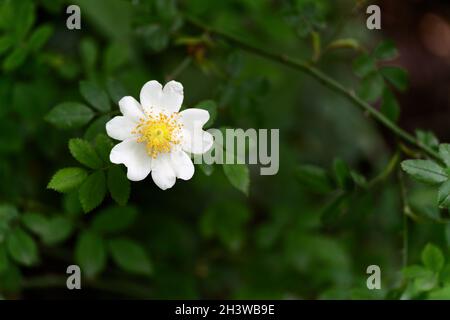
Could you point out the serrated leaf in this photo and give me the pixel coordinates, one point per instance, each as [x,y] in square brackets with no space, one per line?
[398,77]
[90,253]
[238,175]
[364,65]
[386,50]
[84,153]
[92,191]
[425,171]
[103,145]
[390,107]
[95,96]
[444,152]
[433,258]
[69,115]
[444,195]
[114,219]
[211,107]
[118,185]
[371,88]
[21,247]
[67,179]
[130,256]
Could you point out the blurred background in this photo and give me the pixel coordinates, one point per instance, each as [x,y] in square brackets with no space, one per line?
[336,205]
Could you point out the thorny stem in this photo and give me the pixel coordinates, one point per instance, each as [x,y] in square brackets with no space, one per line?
[322,78]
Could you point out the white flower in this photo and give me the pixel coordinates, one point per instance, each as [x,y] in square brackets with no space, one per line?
[156,137]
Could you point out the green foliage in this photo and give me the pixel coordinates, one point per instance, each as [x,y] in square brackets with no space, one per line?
[92,191]
[67,179]
[118,185]
[313,228]
[69,115]
[130,256]
[90,253]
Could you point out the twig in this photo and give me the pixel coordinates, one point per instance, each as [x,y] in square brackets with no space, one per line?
[322,78]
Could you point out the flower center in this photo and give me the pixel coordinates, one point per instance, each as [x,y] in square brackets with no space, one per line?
[159,133]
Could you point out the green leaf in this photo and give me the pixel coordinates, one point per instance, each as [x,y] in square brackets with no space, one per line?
[130,256]
[427,138]
[8,214]
[398,77]
[211,107]
[84,153]
[22,247]
[90,253]
[386,50]
[116,56]
[89,54]
[98,126]
[314,178]
[24,16]
[364,65]
[93,191]
[39,37]
[4,263]
[95,96]
[103,145]
[114,219]
[69,115]
[371,88]
[15,59]
[238,175]
[425,171]
[444,195]
[35,222]
[440,294]
[342,174]
[118,185]
[58,230]
[390,107]
[225,221]
[6,42]
[116,90]
[426,282]
[433,258]
[414,271]
[444,152]
[67,179]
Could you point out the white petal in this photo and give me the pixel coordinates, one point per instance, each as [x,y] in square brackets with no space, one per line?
[196,141]
[120,128]
[193,117]
[172,96]
[151,95]
[134,156]
[182,165]
[162,172]
[131,108]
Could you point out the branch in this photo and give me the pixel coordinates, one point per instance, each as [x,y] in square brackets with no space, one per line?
[323,78]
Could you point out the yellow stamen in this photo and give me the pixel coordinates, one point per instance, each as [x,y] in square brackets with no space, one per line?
[159,133]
